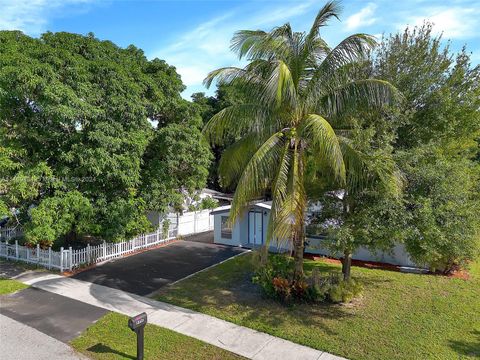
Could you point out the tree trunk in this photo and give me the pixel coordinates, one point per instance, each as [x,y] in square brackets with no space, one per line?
[346,265]
[298,247]
[299,226]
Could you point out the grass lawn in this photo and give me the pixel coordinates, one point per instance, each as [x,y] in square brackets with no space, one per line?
[400,316]
[8,286]
[110,338]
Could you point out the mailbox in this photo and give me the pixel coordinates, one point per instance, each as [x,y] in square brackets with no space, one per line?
[137,324]
[137,321]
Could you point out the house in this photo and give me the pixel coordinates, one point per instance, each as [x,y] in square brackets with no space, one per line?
[251,231]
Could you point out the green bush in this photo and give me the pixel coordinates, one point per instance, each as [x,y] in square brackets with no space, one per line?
[269,268]
[332,288]
[274,274]
[344,291]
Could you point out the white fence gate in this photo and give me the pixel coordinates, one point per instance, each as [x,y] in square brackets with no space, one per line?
[69,259]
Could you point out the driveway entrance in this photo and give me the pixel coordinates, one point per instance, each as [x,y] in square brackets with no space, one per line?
[145,273]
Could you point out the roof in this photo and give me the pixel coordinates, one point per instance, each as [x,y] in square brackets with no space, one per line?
[217,194]
[222,209]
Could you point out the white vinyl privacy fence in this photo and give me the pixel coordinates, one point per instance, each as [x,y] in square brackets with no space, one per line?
[191,222]
[69,259]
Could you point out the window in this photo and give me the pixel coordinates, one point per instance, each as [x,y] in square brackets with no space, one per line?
[226,230]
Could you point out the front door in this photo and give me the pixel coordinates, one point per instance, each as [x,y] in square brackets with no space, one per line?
[255,228]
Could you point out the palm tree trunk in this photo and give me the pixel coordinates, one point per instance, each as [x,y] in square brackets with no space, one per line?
[346,264]
[298,247]
[347,254]
[299,232]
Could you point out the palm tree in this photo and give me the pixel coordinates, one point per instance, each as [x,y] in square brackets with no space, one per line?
[298,90]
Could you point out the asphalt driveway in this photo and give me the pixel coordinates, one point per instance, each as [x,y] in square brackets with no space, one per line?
[57,316]
[147,272]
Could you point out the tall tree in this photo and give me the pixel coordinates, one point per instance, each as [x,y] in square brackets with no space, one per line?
[435,144]
[294,82]
[83,109]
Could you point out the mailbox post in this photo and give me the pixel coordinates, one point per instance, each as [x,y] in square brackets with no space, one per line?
[137,324]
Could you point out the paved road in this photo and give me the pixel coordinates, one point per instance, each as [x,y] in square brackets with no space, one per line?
[22,342]
[57,316]
[145,273]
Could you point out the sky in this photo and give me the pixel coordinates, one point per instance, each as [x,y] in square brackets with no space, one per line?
[194,35]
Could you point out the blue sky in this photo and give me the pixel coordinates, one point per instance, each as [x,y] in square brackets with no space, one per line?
[194,35]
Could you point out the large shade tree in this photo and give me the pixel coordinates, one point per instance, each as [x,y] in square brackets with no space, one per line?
[300,94]
[76,135]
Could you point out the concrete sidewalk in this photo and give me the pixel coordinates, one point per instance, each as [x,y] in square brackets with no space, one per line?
[237,339]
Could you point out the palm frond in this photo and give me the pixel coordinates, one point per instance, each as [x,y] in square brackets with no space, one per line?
[259,44]
[237,120]
[257,175]
[323,142]
[329,10]
[223,75]
[366,94]
[279,191]
[280,86]
[235,158]
[329,66]
[289,219]
[351,49]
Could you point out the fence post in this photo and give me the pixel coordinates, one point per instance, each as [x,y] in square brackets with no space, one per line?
[6,247]
[104,250]
[38,253]
[61,259]
[16,249]
[89,255]
[27,249]
[158,235]
[195,222]
[49,257]
[70,258]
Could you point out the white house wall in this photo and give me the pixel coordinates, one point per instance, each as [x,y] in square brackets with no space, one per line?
[238,229]
[399,255]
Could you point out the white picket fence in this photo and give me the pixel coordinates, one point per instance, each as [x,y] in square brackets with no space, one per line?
[69,259]
[8,233]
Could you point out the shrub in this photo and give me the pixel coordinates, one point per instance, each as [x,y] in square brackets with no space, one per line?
[344,291]
[165,228]
[274,275]
[208,203]
[273,267]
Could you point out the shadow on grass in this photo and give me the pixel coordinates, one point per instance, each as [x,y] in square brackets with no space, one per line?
[242,302]
[104,349]
[467,348]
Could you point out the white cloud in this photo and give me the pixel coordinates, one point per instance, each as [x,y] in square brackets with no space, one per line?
[454,22]
[207,46]
[31,16]
[362,18]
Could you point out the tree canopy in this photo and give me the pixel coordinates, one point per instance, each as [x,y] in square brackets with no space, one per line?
[76,117]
